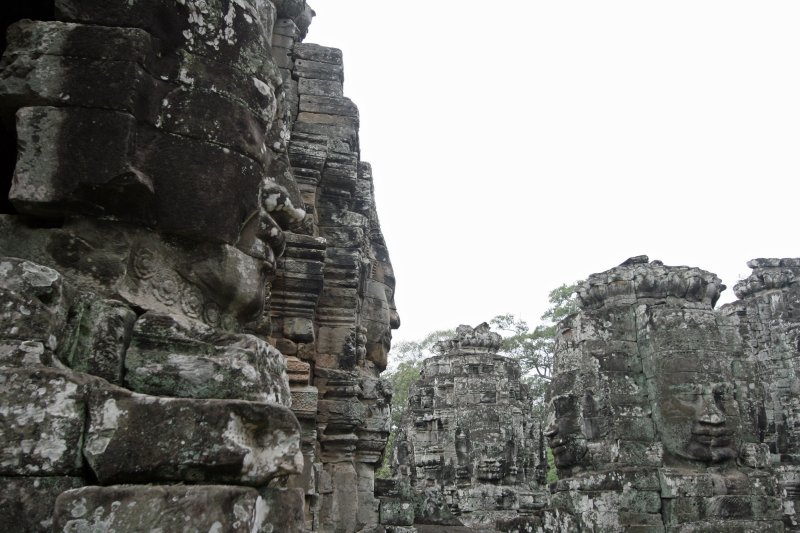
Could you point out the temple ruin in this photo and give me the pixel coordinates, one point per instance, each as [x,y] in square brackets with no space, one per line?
[468,445]
[197,303]
[668,415]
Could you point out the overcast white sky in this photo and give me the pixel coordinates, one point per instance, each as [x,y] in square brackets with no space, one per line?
[517,145]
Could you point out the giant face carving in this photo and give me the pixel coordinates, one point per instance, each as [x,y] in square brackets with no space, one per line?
[564,430]
[696,414]
[192,147]
[380,315]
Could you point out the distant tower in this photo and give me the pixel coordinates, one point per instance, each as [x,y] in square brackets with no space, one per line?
[468,441]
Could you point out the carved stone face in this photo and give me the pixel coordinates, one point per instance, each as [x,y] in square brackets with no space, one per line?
[695,412]
[380,315]
[564,430]
[162,148]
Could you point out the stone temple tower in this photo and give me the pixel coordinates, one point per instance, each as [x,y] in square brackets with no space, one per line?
[468,443]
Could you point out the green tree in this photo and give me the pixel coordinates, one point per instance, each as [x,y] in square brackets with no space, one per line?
[534,348]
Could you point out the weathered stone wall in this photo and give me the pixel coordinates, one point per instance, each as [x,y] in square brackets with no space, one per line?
[468,446]
[767,319]
[195,296]
[658,408]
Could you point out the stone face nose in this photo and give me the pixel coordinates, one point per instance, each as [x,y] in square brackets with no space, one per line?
[711,414]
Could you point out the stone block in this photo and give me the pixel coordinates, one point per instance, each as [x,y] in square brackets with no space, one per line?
[284,509]
[343,413]
[178,356]
[341,506]
[723,508]
[285,26]
[315,52]
[209,214]
[176,439]
[330,105]
[42,419]
[26,503]
[319,87]
[396,513]
[16,353]
[33,307]
[212,508]
[98,335]
[95,176]
[299,371]
[305,401]
[53,38]
[287,348]
[55,80]
[304,68]
[298,329]
[221,119]
[640,479]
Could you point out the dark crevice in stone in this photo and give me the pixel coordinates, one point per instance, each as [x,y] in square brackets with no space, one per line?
[8,160]
[11,11]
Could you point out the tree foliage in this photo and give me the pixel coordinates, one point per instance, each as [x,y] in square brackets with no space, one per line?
[534,348]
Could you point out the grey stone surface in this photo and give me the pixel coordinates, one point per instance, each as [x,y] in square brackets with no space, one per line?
[199,508]
[191,440]
[27,503]
[182,357]
[42,419]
